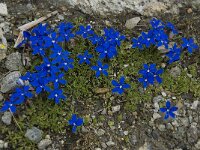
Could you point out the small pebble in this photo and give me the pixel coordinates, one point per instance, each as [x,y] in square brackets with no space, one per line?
[164,94]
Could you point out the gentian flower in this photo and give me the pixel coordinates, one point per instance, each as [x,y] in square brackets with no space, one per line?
[170,26]
[8,105]
[57,95]
[65,30]
[66,64]
[85,32]
[120,86]
[147,39]
[95,39]
[174,54]
[168,110]
[57,80]
[100,69]
[75,122]
[189,44]
[138,43]
[26,38]
[20,94]
[157,24]
[85,58]
[149,74]
[106,50]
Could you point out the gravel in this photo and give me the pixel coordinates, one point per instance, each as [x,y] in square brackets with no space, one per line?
[7,118]
[34,134]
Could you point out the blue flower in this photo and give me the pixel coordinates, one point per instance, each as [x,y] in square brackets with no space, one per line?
[174,54]
[189,44]
[59,54]
[157,24]
[113,36]
[8,106]
[65,30]
[170,26]
[100,69]
[41,30]
[120,86]
[75,122]
[57,80]
[161,38]
[85,58]
[85,32]
[149,74]
[56,95]
[138,43]
[147,39]
[26,38]
[95,39]
[66,64]
[106,50]
[168,110]
[20,95]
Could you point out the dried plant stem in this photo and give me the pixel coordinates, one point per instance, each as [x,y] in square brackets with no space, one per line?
[15,120]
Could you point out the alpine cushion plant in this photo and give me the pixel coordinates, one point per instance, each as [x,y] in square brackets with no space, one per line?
[49,76]
[75,122]
[169,110]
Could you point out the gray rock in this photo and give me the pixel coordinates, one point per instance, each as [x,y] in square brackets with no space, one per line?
[197,145]
[185,122]
[131,23]
[44,143]
[116,108]
[192,134]
[195,104]
[5,26]
[110,143]
[146,146]
[7,118]
[157,99]
[1,97]
[133,139]
[3,9]
[61,17]
[34,134]
[14,62]
[100,132]
[3,48]
[5,145]
[161,127]
[156,116]
[1,144]
[107,7]
[9,82]
[175,72]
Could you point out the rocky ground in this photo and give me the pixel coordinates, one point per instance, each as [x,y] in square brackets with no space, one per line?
[130,122]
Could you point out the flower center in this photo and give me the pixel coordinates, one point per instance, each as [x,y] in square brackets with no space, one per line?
[56,95]
[100,69]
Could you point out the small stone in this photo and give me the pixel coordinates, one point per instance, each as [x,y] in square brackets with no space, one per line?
[34,134]
[146,146]
[131,23]
[192,134]
[116,108]
[1,144]
[189,75]
[198,144]
[7,118]
[1,97]
[195,104]
[103,145]
[125,132]
[175,72]
[157,99]
[157,107]
[9,82]
[169,126]
[189,10]
[5,145]
[164,94]
[156,116]
[108,23]
[3,9]
[185,122]
[97,148]
[61,17]
[161,127]
[44,143]
[47,137]
[84,130]
[110,143]
[14,62]
[100,132]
